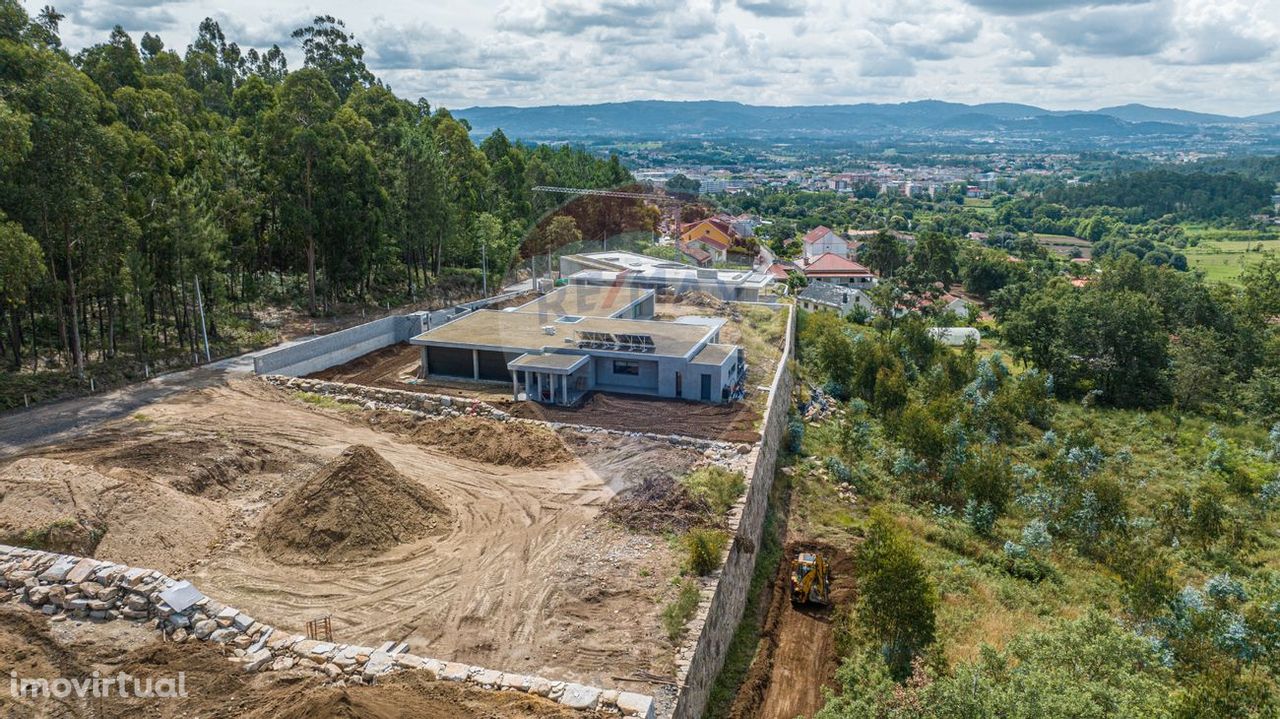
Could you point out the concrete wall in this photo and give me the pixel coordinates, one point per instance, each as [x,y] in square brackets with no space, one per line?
[342,346]
[724,596]
[339,347]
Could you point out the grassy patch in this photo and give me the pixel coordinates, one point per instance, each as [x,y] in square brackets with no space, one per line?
[703,548]
[321,400]
[719,487]
[1225,260]
[681,609]
[62,535]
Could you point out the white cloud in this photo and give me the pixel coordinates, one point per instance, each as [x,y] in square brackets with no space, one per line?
[1222,33]
[1213,55]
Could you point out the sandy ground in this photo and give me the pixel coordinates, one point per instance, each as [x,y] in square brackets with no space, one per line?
[528,578]
[35,648]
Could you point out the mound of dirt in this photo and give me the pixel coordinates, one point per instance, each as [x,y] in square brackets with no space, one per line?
[660,504]
[125,517]
[356,506]
[514,444]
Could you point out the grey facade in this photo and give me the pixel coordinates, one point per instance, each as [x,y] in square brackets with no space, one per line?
[607,343]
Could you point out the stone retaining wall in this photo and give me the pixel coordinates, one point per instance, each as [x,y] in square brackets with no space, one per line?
[724,594]
[62,585]
[438,405]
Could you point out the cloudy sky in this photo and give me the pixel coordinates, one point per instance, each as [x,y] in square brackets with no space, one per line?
[1207,55]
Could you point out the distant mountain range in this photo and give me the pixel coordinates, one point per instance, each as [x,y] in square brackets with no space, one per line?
[709,118]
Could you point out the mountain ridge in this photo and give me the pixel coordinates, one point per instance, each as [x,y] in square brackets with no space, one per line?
[657,118]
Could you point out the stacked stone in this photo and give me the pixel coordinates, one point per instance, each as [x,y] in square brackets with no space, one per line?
[65,586]
[426,405]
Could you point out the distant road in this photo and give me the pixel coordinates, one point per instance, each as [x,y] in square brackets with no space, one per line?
[47,423]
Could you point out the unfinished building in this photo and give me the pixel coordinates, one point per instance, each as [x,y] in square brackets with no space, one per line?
[581,338]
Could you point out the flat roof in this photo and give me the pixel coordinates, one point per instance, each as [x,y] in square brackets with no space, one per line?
[714,354]
[550,362]
[629,266]
[585,301]
[701,321]
[522,332]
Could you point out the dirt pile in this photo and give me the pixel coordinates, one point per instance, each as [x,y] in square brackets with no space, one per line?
[356,506]
[124,517]
[514,444]
[659,504]
[203,464]
[714,304]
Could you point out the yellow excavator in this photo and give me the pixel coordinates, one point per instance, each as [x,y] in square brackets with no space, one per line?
[810,580]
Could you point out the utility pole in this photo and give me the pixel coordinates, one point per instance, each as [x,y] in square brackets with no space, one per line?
[484,267]
[203,331]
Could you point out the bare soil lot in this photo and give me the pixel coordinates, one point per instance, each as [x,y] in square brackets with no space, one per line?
[521,573]
[216,689]
[731,422]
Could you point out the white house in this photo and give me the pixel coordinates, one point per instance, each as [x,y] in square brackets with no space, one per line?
[822,240]
[951,303]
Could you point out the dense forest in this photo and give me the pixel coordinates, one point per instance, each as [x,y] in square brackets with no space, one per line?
[1155,193]
[137,181]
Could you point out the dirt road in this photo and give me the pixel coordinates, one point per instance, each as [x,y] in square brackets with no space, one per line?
[804,661]
[70,417]
[797,655]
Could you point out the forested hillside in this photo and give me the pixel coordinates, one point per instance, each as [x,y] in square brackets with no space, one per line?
[1152,194]
[131,170]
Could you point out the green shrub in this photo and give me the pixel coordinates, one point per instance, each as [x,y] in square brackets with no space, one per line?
[703,548]
[678,613]
[719,487]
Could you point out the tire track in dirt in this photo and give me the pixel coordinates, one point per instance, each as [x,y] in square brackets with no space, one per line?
[797,655]
[505,586]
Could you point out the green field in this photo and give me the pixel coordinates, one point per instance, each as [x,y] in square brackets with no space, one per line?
[981,204]
[1064,244]
[1223,260]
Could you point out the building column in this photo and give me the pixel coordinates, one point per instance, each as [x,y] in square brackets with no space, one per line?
[564,386]
[515,387]
[422,370]
[475,364]
[538,380]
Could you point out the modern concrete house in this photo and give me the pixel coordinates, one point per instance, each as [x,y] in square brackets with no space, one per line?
[581,338]
[606,269]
